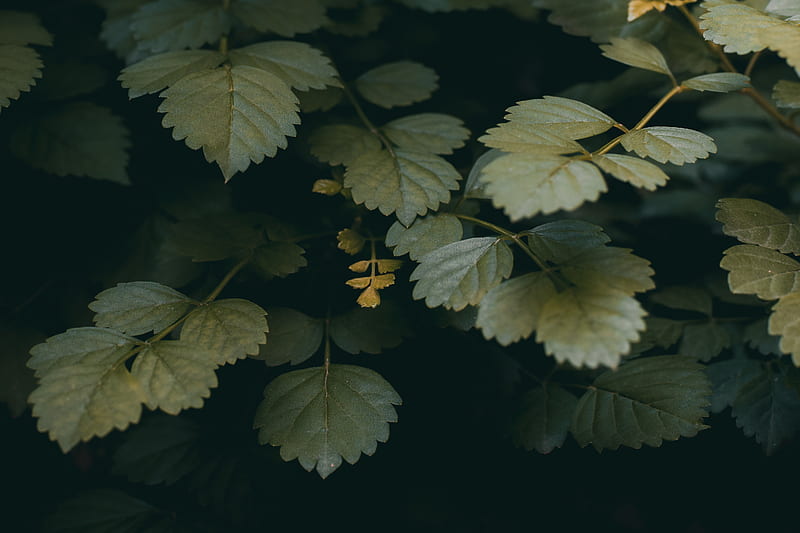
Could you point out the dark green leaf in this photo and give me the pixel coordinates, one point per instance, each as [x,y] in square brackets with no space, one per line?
[284,17]
[342,144]
[558,241]
[787,94]
[139,307]
[279,258]
[20,66]
[107,511]
[609,266]
[397,84]
[757,337]
[754,222]
[661,332]
[215,237]
[369,330]
[424,235]
[704,341]
[727,379]
[686,298]
[293,337]
[170,25]
[230,329]
[544,420]
[21,28]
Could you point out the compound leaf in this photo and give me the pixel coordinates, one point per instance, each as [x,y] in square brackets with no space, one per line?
[369,330]
[279,258]
[342,144]
[558,241]
[718,82]
[299,65]
[293,337]
[19,68]
[609,266]
[21,28]
[139,307]
[637,172]
[787,94]
[668,144]
[170,25]
[560,117]
[636,53]
[427,132]
[159,71]
[230,329]
[424,235]
[754,222]
[544,420]
[766,273]
[785,321]
[397,84]
[284,17]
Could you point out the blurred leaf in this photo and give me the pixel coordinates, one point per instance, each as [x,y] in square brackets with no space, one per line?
[20,66]
[397,84]
[668,144]
[544,420]
[170,25]
[16,379]
[728,377]
[765,273]
[704,341]
[611,267]
[230,329]
[17,27]
[279,258]
[685,298]
[215,237]
[718,82]
[424,235]
[107,511]
[369,330]
[757,336]
[139,307]
[754,222]
[284,17]
[659,332]
[787,94]
[299,65]
[293,337]
[427,132]
[636,53]
[785,321]
[350,241]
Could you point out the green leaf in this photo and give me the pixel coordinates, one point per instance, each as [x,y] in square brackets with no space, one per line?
[139,307]
[21,28]
[558,241]
[230,329]
[170,25]
[293,337]
[785,321]
[668,144]
[405,183]
[20,66]
[560,117]
[516,137]
[323,414]
[525,185]
[474,188]
[70,78]
[424,235]
[427,132]
[609,266]
[369,330]
[510,311]
[397,84]
[757,336]
[718,82]
[84,389]
[597,19]
[299,65]
[279,258]
[704,341]
[160,71]
[79,139]
[787,94]
[215,237]
[636,53]
[461,273]
[637,172]
[342,144]
[727,379]
[765,273]
[755,222]
[685,298]
[590,326]
[320,100]
[661,332]
[544,420]
[646,401]
[236,114]
[107,511]
[284,17]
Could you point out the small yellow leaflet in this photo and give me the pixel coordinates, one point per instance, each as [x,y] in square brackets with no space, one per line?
[637,8]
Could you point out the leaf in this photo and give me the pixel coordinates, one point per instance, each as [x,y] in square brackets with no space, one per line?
[427,132]
[474,188]
[350,241]
[215,237]
[561,117]
[783,8]
[293,337]
[668,144]
[230,329]
[369,330]
[107,511]
[320,100]
[637,8]
[170,25]
[327,187]
[544,420]
[424,235]
[685,298]
[728,377]
[20,66]
[279,258]
[785,321]
[157,72]
[80,139]
[787,94]
[597,19]
[525,185]
[284,17]
[633,170]
[646,401]
[70,78]
[321,415]
[636,53]
[236,114]
[704,341]
[757,336]
[590,326]
[755,270]
[84,389]
[397,84]
[755,222]
[661,332]
[718,82]
[406,183]
[559,240]
[342,144]
[510,311]
[299,65]
[609,266]
[461,273]
[20,28]
[139,307]
[519,138]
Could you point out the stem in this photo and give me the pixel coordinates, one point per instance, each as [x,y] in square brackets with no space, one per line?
[752,63]
[223,45]
[510,235]
[227,279]
[365,119]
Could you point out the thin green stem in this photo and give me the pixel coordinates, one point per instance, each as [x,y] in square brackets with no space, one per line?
[656,108]
[365,119]
[748,71]
[227,279]
[510,235]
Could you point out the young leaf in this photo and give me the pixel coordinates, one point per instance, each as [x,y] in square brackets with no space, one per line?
[279,258]
[284,17]
[728,378]
[646,401]
[236,114]
[427,132]
[397,84]
[544,420]
[668,144]
[718,82]
[558,241]
[160,71]
[754,222]
[765,273]
[293,337]
[170,25]
[686,298]
[516,137]
[609,266]
[562,117]
[299,65]
[230,329]
[424,235]
[20,66]
[785,321]
[107,511]
[461,273]
[350,241]
[341,144]
[21,28]
[369,330]
[704,341]
[323,414]
[637,172]
[139,307]
[510,311]
[787,94]
[636,53]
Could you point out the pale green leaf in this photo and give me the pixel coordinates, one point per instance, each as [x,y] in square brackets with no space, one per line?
[214,237]
[668,144]
[170,25]
[646,401]
[424,235]
[637,172]
[561,117]
[474,188]
[685,298]
[279,258]
[785,321]
[704,341]
[590,326]
[544,420]
[405,183]
[397,84]
[636,53]
[230,329]
[79,344]
[370,330]
[293,337]
[718,82]
[17,27]
[516,137]
[139,307]
[236,114]
[342,144]
[755,222]
[787,94]
[525,185]
[427,132]
[728,377]
[322,415]
[160,71]
[19,68]
[783,8]
[461,273]
[299,65]
[558,241]
[510,311]
[597,19]
[609,266]
[107,511]
[284,17]
[765,273]
[661,332]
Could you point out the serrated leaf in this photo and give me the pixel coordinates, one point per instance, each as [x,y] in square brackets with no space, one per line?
[661,332]
[718,82]
[590,326]
[633,170]
[299,65]
[170,25]
[783,8]
[520,138]
[369,330]
[609,266]
[79,139]
[525,185]
[461,273]
[397,84]
[685,298]
[704,341]
[474,188]
[342,144]
[139,307]
[427,132]
[107,511]
[350,241]
[236,114]
[646,401]
[787,94]
[293,337]
[561,117]
[322,415]
[279,258]
[785,321]
[757,336]
[765,273]
[214,237]
[544,420]
[230,329]
[20,66]
[755,222]
[160,71]
[17,27]
[559,240]
[424,235]
[320,100]
[405,183]
[636,53]
[668,144]
[510,311]
[727,379]
[284,17]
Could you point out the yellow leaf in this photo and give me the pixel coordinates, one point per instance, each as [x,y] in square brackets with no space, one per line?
[359,283]
[369,298]
[327,187]
[383,281]
[351,242]
[637,8]
[388,265]
[360,266]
